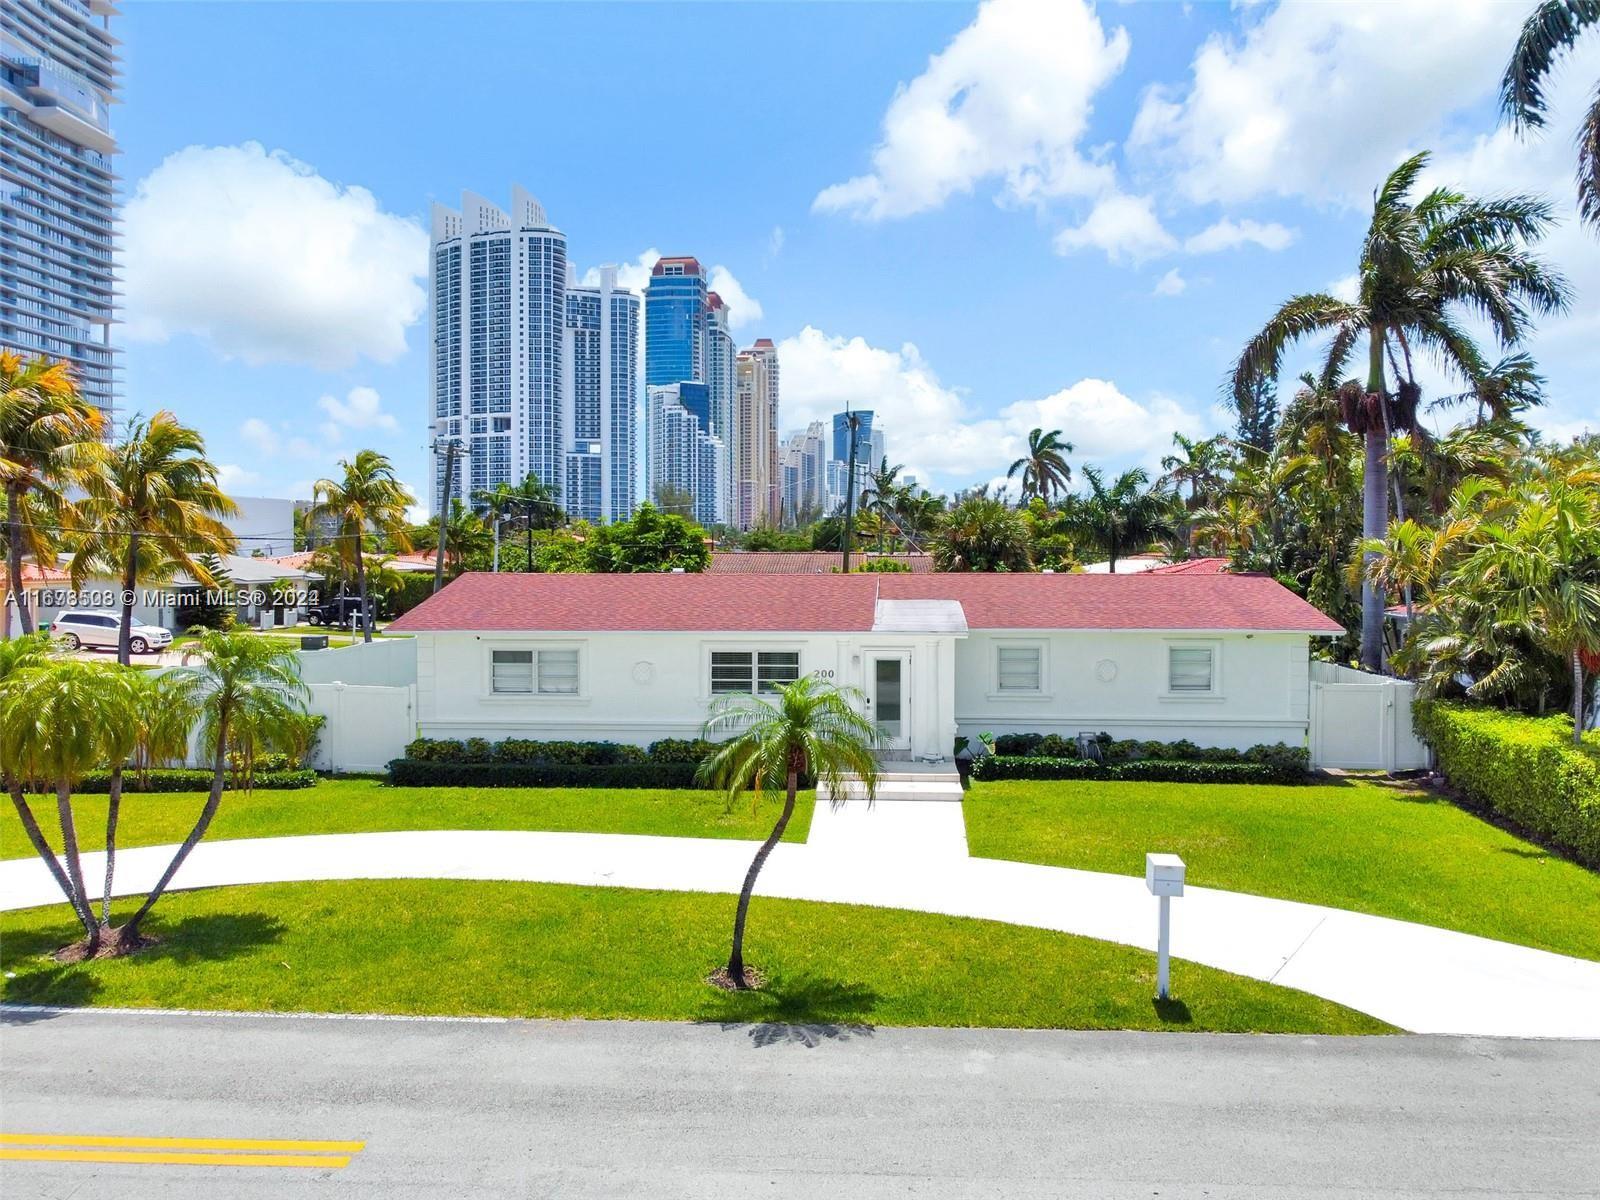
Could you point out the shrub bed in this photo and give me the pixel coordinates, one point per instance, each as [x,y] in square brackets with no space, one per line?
[1522,768]
[1150,770]
[413,772]
[192,779]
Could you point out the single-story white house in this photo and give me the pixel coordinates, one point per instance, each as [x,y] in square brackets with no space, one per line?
[1222,660]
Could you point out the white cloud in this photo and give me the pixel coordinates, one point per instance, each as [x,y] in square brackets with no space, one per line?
[260,435]
[266,260]
[1009,98]
[270,441]
[231,477]
[775,241]
[1229,235]
[362,408]
[1346,288]
[932,429]
[743,308]
[1170,284]
[1319,100]
[1125,227]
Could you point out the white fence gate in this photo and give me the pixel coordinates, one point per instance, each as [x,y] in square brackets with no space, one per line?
[1363,722]
[366,726]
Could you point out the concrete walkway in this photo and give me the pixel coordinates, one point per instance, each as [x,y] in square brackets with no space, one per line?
[912,855]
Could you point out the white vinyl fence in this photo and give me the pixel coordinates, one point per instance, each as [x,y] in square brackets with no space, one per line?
[369,696]
[1363,722]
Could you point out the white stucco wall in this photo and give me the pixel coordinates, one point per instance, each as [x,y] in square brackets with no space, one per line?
[638,687]
[1117,682]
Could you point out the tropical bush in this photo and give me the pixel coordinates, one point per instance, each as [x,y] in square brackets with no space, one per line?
[1000,766]
[524,750]
[1135,759]
[195,779]
[416,772]
[1524,769]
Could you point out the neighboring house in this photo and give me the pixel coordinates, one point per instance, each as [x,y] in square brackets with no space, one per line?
[38,585]
[805,562]
[1219,659]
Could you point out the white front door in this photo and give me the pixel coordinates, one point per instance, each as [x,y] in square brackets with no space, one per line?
[889,698]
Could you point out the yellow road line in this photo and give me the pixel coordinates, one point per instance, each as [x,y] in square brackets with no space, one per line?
[176,1159]
[173,1143]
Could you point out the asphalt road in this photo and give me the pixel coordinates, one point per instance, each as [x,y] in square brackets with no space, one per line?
[580,1109]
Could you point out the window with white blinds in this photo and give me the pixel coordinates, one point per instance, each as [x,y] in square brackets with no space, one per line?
[534,672]
[1019,668]
[751,671]
[511,671]
[1190,669]
[558,672]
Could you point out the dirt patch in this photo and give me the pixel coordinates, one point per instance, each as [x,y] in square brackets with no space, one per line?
[755,979]
[113,943]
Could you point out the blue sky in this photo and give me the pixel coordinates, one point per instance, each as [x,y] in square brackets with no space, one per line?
[973,218]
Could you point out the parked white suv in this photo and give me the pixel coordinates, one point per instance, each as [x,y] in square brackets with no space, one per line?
[99,630]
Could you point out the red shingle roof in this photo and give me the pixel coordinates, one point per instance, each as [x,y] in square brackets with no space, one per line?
[713,603]
[800,562]
[1192,566]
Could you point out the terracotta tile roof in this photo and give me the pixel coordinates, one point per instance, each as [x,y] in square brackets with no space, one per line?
[799,562]
[1192,566]
[721,603]
[1149,600]
[34,573]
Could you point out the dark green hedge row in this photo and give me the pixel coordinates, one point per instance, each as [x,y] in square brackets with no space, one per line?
[192,779]
[1523,768]
[411,772]
[1289,759]
[1002,766]
[574,754]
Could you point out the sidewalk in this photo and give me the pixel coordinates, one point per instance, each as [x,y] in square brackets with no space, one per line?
[912,855]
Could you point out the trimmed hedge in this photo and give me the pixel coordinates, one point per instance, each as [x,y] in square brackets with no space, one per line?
[1002,766]
[413,772]
[525,750]
[192,779]
[1522,768]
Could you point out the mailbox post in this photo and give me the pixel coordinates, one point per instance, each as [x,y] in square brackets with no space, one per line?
[1163,875]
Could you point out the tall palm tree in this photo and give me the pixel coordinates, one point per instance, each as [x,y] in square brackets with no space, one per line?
[1551,30]
[1126,513]
[369,499]
[982,534]
[810,729]
[16,656]
[154,507]
[1044,467]
[249,697]
[881,498]
[1197,464]
[1422,265]
[49,439]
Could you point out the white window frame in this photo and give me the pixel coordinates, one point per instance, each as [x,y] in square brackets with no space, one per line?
[1192,695]
[534,649]
[1042,692]
[754,650]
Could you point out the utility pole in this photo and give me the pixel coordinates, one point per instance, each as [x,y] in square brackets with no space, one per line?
[854,422]
[452,447]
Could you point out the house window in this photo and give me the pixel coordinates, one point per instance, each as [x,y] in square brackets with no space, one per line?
[511,671]
[558,672]
[752,671]
[1018,669]
[1190,670]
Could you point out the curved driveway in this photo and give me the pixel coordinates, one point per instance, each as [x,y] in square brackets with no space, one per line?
[914,856]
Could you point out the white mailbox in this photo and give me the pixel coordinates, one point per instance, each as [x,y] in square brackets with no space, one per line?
[1163,874]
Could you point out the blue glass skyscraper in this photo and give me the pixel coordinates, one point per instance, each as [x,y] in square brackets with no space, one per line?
[675,323]
[841,437]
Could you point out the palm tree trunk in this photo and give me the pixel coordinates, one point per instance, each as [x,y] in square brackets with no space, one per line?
[1577,698]
[736,956]
[130,575]
[69,844]
[113,808]
[495,517]
[361,589]
[1374,515]
[17,595]
[30,826]
[219,767]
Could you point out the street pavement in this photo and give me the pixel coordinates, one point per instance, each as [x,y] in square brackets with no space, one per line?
[414,1108]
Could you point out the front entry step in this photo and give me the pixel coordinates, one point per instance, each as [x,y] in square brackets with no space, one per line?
[902,785]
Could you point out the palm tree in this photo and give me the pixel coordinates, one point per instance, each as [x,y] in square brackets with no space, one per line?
[368,498]
[494,505]
[1198,464]
[249,697]
[1549,32]
[881,498]
[1044,467]
[1422,264]
[810,729]
[1126,514]
[982,534]
[18,655]
[55,722]
[154,507]
[49,437]
[1511,386]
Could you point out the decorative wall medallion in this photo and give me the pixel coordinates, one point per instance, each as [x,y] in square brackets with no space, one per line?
[1105,670]
[644,672]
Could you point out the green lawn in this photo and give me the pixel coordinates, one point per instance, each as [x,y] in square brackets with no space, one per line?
[545,950]
[1371,846]
[364,805]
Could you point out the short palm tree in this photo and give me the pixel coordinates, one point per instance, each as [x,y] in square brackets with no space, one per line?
[982,534]
[1124,514]
[49,440]
[1423,264]
[247,692]
[16,656]
[881,498]
[368,500]
[1044,467]
[1551,30]
[807,729]
[154,507]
